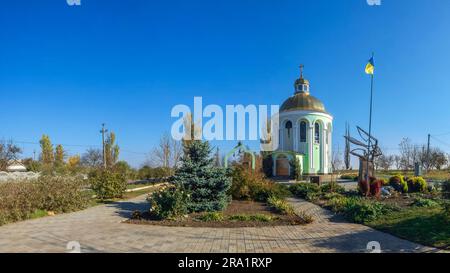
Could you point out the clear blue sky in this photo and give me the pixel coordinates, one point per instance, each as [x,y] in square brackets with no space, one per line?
[64,70]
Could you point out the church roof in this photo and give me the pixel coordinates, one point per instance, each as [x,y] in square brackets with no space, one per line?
[302,100]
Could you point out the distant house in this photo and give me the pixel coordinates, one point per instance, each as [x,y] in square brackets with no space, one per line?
[16,166]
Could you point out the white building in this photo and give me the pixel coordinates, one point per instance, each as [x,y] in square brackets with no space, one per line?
[305,134]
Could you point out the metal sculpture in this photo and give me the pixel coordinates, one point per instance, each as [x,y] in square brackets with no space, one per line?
[365,150]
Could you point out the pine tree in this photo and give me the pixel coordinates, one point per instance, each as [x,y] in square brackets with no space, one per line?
[207,184]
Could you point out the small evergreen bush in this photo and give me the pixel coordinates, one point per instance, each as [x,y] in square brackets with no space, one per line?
[208,184]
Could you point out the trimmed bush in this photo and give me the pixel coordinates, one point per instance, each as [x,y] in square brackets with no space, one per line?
[20,200]
[398,183]
[417,184]
[108,184]
[169,202]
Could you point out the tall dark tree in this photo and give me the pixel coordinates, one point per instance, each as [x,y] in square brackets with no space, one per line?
[347,147]
[207,183]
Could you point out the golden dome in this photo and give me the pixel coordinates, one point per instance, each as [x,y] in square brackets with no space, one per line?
[302,101]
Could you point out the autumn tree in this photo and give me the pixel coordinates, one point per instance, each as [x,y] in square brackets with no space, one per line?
[59,155]
[73,163]
[47,156]
[111,150]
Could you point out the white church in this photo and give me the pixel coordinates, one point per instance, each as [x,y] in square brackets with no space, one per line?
[305,134]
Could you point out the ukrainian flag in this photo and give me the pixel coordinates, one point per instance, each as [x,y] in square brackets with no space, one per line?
[370,67]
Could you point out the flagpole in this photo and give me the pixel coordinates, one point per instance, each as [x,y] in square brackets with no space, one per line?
[370,128]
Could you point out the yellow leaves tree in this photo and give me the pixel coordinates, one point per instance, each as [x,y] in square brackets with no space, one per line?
[73,163]
[111,150]
[47,156]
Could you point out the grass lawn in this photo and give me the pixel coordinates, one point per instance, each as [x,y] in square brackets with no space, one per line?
[426,226]
[126,195]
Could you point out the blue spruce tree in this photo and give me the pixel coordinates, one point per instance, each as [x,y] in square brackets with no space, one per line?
[207,183]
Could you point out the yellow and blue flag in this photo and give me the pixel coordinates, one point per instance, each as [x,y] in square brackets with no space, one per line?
[370,67]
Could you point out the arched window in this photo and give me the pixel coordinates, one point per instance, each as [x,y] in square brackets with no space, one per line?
[303,131]
[317,133]
[288,128]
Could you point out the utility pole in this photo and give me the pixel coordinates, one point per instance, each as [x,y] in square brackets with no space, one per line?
[34,155]
[103,131]
[428,153]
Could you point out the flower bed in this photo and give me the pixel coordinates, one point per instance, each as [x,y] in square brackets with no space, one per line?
[239,213]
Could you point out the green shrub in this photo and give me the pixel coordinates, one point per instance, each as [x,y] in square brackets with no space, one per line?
[108,184]
[424,202]
[209,185]
[20,200]
[332,187]
[446,207]
[398,183]
[337,203]
[445,188]
[212,217]
[362,211]
[280,205]
[352,177]
[252,185]
[417,184]
[169,202]
[305,190]
[251,218]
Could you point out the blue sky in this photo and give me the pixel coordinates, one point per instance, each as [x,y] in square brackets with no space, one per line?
[64,70]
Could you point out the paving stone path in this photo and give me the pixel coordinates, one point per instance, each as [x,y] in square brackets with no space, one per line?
[100,229]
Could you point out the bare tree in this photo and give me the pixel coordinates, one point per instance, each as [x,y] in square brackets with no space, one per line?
[92,158]
[8,151]
[384,162]
[409,154]
[167,154]
[438,158]
[336,162]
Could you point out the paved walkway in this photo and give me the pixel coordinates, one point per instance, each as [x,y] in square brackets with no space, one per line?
[100,229]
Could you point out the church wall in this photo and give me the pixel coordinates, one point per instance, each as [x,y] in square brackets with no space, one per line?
[316,157]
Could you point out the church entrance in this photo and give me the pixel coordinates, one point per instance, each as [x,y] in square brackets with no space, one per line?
[282,164]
